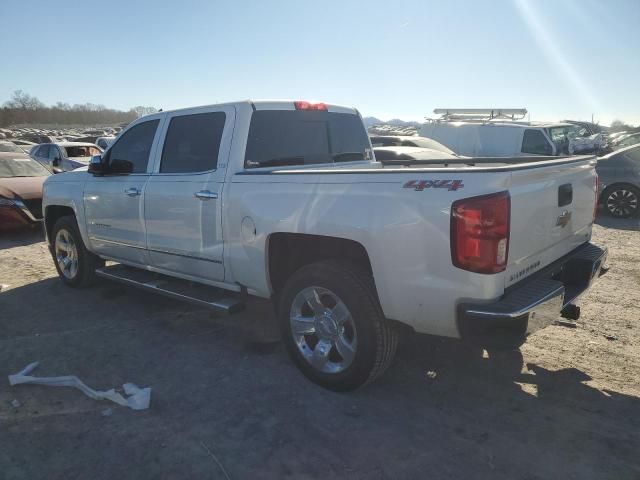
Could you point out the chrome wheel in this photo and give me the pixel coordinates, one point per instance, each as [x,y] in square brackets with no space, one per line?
[323,330]
[622,203]
[66,254]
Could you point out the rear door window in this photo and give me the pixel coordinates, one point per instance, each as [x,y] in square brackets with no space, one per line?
[192,143]
[536,143]
[294,137]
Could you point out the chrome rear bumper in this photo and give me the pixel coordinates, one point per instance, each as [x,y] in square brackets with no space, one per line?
[533,303]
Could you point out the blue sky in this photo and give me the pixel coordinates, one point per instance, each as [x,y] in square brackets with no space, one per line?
[558,58]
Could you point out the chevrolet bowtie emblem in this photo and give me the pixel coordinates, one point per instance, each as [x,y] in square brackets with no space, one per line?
[563,219]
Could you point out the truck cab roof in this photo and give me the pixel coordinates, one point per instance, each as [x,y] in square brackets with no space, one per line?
[271,105]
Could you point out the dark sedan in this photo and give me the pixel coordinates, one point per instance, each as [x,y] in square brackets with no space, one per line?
[21,180]
[619,174]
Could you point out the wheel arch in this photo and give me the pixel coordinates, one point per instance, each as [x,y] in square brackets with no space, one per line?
[288,252]
[51,215]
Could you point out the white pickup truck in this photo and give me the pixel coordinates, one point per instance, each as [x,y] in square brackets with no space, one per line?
[285,201]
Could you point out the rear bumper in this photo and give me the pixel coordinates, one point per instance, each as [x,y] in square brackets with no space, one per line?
[533,303]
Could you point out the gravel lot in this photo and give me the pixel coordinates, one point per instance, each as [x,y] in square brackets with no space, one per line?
[567,406]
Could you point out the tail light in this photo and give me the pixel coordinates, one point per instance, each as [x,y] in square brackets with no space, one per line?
[480,233]
[302,105]
[596,187]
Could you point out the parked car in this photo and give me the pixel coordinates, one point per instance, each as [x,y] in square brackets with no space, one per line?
[613,137]
[36,138]
[627,140]
[477,132]
[383,154]
[87,138]
[24,144]
[104,142]
[619,174]
[65,156]
[21,180]
[9,146]
[408,141]
[284,201]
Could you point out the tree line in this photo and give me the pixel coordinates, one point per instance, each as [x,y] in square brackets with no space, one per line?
[23,108]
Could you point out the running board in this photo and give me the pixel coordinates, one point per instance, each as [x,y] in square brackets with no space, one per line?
[213,298]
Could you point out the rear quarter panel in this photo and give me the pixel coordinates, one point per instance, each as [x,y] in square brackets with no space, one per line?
[404,231]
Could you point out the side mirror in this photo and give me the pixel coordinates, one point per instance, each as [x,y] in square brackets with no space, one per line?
[97,166]
[56,162]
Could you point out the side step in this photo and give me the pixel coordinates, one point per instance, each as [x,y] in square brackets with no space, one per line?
[217,299]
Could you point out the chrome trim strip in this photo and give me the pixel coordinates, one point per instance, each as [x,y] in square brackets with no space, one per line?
[167,252]
[553,294]
[154,250]
[20,204]
[114,242]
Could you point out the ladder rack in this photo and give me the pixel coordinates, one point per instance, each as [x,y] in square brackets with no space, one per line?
[480,114]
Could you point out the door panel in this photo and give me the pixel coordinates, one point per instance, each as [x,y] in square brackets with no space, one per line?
[114,204]
[182,206]
[184,233]
[114,215]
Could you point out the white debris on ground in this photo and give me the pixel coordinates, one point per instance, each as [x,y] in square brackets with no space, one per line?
[138,398]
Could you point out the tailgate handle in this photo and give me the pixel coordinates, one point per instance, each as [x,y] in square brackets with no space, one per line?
[565,194]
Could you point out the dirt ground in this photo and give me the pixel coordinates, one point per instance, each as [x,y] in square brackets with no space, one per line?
[567,407]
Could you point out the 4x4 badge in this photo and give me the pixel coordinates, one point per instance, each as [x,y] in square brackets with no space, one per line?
[420,185]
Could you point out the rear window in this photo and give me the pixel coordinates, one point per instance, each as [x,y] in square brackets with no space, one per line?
[536,143]
[81,151]
[21,167]
[288,137]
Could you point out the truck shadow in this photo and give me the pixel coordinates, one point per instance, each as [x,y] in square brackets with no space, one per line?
[21,238]
[608,221]
[498,414]
[523,407]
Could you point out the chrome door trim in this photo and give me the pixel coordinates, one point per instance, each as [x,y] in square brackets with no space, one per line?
[154,250]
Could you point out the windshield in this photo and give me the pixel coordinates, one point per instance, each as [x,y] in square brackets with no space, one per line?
[10,147]
[80,151]
[294,137]
[560,134]
[21,167]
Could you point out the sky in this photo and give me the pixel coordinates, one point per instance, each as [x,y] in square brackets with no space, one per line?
[390,59]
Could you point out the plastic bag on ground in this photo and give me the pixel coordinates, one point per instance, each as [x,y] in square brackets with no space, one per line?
[137,398]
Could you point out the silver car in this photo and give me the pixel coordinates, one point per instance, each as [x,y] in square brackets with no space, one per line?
[619,174]
[65,156]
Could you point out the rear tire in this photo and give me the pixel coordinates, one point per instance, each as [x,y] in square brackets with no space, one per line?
[75,264]
[333,326]
[621,201]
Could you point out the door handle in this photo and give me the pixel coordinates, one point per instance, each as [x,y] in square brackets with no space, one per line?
[206,195]
[132,192]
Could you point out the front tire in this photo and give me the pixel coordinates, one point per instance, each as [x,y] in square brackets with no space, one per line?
[75,264]
[333,326]
[622,201]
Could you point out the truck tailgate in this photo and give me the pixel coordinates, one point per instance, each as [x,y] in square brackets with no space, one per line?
[551,214]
